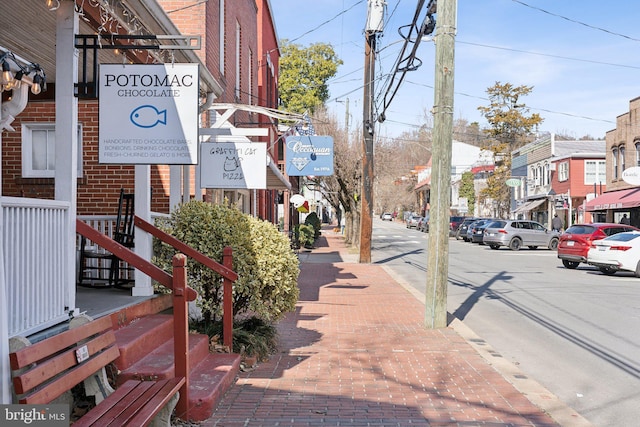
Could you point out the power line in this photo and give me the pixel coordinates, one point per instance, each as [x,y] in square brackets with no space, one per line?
[576,22]
[327,21]
[550,55]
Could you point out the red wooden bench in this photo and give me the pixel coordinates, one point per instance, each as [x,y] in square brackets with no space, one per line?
[45,370]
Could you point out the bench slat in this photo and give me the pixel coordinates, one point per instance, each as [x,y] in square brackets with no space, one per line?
[108,405]
[48,369]
[134,404]
[72,377]
[43,349]
[157,402]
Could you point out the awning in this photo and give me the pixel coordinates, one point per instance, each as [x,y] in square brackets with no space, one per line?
[528,206]
[629,198]
[275,179]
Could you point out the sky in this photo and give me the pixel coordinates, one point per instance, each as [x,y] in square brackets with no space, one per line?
[582,58]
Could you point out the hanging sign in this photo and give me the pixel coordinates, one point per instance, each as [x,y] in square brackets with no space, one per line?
[149,114]
[631,175]
[233,165]
[309,155]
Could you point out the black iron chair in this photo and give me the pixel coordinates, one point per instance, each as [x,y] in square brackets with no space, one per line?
[99,268]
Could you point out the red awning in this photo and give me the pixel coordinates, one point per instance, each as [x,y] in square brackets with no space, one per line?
[629,198]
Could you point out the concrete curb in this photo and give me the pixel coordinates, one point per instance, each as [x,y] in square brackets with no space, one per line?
[531,389]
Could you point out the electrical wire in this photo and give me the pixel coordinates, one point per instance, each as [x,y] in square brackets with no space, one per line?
[575,21]
[326,22]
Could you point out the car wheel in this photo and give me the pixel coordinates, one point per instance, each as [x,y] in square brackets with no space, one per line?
[553,244]
[607,270]
[570,264]
[637,272]
[494,246]
[515,244]
[533,248]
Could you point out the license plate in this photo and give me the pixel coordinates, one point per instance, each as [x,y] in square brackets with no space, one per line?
[571,243]
[602,248]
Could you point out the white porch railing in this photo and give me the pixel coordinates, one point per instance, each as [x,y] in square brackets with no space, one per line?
[35,252]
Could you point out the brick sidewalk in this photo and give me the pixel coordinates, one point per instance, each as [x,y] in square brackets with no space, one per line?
[355,353]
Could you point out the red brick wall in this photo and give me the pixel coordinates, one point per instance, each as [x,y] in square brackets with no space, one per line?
[99,185]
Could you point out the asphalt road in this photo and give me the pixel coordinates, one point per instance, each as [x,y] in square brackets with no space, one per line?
[576,332]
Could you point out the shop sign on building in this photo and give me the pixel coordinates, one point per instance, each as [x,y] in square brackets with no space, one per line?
[233,165]
[309,155]
[149,114]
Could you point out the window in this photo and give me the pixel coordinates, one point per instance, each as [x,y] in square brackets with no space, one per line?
[594,171]
[614,157]
[250,69]
[221,35]
[622,162]
[238,65]
[637,153]
[39,150]
[563,171]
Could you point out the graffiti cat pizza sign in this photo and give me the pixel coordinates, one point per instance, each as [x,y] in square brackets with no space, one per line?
[233,165]
[149,114]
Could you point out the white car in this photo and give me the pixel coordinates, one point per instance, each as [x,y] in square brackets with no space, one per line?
[387,217]
[620,252]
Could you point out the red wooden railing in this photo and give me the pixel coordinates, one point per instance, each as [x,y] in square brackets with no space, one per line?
[182,293]
[228,275]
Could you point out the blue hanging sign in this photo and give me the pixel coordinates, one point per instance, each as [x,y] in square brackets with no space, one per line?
[309,155]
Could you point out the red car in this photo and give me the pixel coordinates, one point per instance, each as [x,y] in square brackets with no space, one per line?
[576,241]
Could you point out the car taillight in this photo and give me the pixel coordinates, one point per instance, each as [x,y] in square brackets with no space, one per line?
[619,248]
[503,231]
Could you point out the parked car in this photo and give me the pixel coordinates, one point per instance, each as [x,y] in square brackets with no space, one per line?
[454,223]
[412,221]
[619,252]
[423,224]
[461,232]
[576,241]
[387,217]
[518,233]
[477,230]
[471,226]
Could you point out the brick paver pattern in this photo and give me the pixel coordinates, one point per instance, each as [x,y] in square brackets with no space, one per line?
[356,352]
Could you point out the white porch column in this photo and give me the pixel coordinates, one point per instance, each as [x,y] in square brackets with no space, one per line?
[186,183]
[143,240]
[66,174]
[175,187]
[5,372]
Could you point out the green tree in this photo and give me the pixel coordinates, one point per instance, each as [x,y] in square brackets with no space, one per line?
[303,75]
[467,190]
[510,127]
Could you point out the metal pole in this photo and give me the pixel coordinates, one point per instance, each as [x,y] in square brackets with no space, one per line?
[438,247]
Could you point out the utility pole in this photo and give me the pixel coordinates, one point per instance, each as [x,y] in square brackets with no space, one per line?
[374,28]
[438,247]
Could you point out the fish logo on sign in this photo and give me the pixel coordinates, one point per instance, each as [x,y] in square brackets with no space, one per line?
[148,116]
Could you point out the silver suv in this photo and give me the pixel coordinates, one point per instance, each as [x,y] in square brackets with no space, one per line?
[518,233]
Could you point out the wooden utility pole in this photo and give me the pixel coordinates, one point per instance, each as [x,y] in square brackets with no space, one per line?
[374,27]
[440,200]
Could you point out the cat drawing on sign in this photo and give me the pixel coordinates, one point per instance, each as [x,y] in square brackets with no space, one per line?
[231,164]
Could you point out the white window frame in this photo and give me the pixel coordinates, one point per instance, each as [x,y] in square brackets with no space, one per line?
[623,163]
[563,171]
[238,63]
[27,150]
[221,36]
[599,173]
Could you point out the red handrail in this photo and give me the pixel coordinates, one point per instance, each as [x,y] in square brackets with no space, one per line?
[225,270]
[181,292]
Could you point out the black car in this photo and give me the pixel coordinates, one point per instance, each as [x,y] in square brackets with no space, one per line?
[461,231]
[477,230]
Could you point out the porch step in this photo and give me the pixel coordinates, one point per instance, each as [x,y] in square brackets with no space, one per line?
[146,351]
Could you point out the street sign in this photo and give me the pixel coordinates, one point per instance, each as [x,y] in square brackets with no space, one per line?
[513,182]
